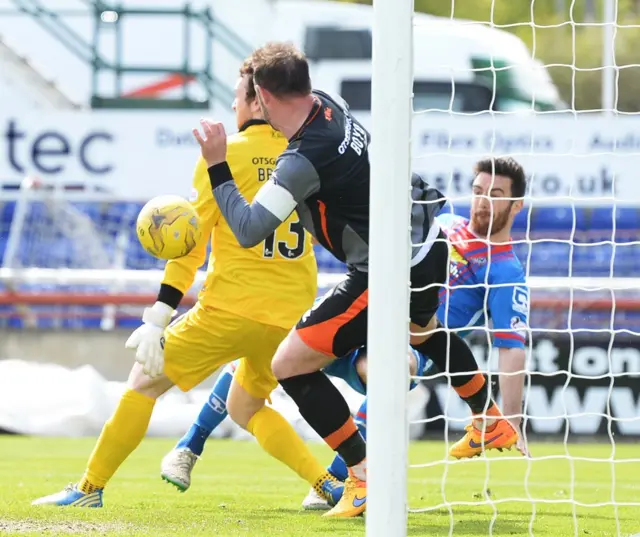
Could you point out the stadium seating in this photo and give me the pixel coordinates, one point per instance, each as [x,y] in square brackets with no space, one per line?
[542,236]
[550,241]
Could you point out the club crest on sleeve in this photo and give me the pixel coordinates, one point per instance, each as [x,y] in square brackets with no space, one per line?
[519,326]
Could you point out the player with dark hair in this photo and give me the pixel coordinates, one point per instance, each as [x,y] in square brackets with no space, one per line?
[250,300]
[324,175]
[498,189]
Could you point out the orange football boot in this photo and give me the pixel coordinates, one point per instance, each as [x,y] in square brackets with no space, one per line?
[500,435]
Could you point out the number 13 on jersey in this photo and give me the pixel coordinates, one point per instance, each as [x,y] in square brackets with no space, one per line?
[288,241]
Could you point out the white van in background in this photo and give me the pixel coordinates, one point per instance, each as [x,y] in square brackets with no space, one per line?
[459,65]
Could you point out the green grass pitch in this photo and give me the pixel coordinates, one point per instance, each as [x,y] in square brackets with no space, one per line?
[239,490]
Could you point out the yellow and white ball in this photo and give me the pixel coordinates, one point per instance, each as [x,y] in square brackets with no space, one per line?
[168,227]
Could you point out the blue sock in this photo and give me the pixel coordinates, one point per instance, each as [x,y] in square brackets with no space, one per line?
[338,468]
[213,412]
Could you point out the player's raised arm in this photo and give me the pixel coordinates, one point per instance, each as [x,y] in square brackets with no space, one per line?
[293,180]
[179,275]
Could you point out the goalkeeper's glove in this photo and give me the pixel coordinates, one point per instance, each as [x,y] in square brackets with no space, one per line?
[148,339]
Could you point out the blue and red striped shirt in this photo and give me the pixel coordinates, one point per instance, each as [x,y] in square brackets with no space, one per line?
[485,284]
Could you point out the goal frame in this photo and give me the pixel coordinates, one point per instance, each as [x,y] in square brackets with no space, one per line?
[389,258]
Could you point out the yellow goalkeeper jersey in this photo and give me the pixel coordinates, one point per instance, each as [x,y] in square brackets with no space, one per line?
[274,282]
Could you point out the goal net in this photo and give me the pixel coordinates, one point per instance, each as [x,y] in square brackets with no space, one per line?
[70,260]
[576,237]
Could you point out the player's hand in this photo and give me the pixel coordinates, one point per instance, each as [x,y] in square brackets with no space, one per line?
[147,340]
[213,142]
[521,445]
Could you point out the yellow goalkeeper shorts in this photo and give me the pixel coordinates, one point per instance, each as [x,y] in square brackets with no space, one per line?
[204,339]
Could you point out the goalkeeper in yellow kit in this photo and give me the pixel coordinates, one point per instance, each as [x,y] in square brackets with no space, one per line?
[250,300]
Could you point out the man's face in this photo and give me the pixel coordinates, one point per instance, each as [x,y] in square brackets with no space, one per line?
[490,211]
[244,110]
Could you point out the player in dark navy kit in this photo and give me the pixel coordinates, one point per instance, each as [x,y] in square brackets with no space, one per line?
[324,175]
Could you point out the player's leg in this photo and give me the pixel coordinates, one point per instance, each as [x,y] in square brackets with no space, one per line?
[417,364]
[353,370]
[177,465]
[451,353]
[120,436]
[210,338]
[212,413]
[334,327]
[253,383]
[338,468]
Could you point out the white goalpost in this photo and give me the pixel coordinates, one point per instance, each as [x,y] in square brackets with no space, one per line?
[597,325]
[389,254]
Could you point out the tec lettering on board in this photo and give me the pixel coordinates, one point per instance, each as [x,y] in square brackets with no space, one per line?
[53,151]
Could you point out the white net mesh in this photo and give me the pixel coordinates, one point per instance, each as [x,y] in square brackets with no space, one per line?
[49,228]
[64,253]
[577,238]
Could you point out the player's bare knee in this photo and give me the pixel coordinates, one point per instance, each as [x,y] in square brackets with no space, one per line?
[279,367]
[241,405]
[142,383]
[420,334]
[361,367]
[242,414]
[294,357]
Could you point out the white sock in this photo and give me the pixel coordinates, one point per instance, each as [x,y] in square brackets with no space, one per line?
[479,423]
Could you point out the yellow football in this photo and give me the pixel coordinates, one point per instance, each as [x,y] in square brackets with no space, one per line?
[168,227]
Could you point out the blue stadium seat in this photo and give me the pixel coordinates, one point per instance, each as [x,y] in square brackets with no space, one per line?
[627,259]
[521,222]
[118,215]
[627,223]
[6,214]
[583,219]
[602,219]
[92,209]
[591,260]
[552,218]
[326,261]
[549,258]
[628,218]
